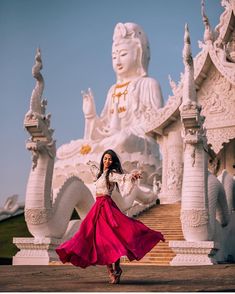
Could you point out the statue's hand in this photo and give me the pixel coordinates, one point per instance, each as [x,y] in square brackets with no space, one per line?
[88,104]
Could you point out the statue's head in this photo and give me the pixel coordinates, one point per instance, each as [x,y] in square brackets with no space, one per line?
[130,37]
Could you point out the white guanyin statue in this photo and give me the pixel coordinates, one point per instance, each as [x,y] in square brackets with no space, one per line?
[120,125]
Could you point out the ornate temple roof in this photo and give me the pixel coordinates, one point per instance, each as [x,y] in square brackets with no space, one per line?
[217,49]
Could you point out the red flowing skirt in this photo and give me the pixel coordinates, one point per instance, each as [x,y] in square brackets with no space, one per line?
[105,235]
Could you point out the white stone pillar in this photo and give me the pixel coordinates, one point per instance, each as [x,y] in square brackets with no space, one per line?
[194,207]
[173,174]
[163,146]
[197,249]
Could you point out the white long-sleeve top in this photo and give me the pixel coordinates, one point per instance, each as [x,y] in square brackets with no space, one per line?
[125,183]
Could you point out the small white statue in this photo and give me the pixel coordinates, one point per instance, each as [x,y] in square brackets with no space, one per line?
[11,207]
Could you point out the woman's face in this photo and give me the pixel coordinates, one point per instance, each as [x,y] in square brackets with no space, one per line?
[107,161]
[124,55]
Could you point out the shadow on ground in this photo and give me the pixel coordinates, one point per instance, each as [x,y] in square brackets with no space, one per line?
[135,278]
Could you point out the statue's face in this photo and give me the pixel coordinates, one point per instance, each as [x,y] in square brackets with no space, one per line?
[124,55]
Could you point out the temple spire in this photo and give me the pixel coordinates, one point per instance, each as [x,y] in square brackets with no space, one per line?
[208,35]
[37,106]
[189,91]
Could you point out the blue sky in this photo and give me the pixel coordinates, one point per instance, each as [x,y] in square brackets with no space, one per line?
[75,37]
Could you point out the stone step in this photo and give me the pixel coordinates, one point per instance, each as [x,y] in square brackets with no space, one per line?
[166,219]
[154,261]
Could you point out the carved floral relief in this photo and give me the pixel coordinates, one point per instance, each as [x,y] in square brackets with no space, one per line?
[217,97]
[174,175]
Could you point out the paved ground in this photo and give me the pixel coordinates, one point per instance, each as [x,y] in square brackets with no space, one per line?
[136,278]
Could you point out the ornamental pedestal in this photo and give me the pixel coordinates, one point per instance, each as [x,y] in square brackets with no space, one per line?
[35,252]
[193,253]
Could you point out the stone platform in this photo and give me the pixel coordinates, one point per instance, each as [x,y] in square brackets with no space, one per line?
[136,278]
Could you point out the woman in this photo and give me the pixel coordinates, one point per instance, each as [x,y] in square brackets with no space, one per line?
[106,233]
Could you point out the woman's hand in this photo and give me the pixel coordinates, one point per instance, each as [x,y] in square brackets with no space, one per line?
[88,104]
[136,175]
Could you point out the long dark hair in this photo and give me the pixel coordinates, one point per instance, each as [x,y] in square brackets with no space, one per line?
[115,166]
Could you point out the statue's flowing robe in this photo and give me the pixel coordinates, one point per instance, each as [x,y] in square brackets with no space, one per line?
[143,93]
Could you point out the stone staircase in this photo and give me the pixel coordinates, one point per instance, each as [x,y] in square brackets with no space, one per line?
[166,219]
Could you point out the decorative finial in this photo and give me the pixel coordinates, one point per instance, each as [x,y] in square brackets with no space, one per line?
[187,55]
[208,35]
[172,84]
[186,34]
[226,4]
[38,64]
[37,106]
[36,121]
[189,92]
